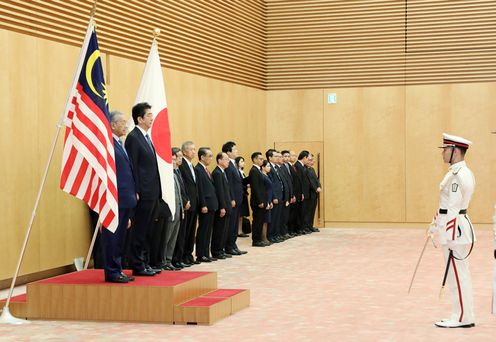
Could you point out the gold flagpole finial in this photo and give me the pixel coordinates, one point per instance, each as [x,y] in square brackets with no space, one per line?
[93,9]
[156,33]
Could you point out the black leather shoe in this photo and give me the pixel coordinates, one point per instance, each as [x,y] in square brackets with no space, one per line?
[232,252]
[196,262]
[313,229]
[119,279]
[177,265]
[156,270]
[219,256]
[267,243]
[240,252]
[129,278]
[258,244]
[213,258]
[204,259]
[187,262]
[143,273]
[243,235]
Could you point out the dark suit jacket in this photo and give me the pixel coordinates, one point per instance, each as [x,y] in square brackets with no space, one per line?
[297,191]
[286,181]
[222,189]
[277,185]
[257,186]
[125,180]
[301,172]
[313,180]
[184,195]
[206,190]
[235,183]
[190,185]
[145,166]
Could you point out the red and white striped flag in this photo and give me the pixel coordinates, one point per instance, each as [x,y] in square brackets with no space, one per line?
[88,161]
[152,90]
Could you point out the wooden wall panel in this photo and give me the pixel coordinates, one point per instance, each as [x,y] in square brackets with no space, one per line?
[460,109]
[36,81]
[364,150]
[349,43]
[295,113]
[218,39]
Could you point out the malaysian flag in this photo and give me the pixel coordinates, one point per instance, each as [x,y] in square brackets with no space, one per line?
[88,165]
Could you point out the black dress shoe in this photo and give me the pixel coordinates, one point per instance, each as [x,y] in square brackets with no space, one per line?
[177,265]
[225,255]
[187,262]
[313,229]
[243,235]
[232,252]
[129,278]
[258,244]
[196,262]
[203,259]
[219,256]
[143,273]
[240,252]
[151,269]
[213,258]
[118,279]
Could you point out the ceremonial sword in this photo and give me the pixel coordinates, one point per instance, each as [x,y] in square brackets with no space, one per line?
[429,237]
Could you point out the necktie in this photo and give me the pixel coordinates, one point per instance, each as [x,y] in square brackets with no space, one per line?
[149,141]
[208,172]
[192,172]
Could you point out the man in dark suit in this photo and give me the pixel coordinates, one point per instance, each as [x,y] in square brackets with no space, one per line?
[113,243]
[301,173]
[189,177]
[258,199]
[236,187]
[287,194]
[145,168]
[315,189]
[274,227]
[208,204]
[177,257]
[294,221]
[222,215]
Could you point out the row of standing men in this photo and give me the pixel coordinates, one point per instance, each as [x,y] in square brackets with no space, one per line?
[283,195]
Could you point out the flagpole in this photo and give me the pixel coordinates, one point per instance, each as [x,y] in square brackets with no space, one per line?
[6,317]
[92,244]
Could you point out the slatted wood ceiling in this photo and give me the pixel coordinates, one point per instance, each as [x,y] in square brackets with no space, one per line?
[285,44]
[219,39]
[354,43]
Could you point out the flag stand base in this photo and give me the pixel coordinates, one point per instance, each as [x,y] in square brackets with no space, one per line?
[7,318]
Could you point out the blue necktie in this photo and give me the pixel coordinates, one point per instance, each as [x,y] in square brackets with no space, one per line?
[148,140]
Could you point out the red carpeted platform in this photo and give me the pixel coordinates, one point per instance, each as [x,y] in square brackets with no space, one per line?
[85,295]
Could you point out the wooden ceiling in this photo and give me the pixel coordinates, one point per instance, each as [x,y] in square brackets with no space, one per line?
[285,44]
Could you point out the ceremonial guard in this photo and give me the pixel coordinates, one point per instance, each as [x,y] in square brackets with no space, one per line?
[456,233]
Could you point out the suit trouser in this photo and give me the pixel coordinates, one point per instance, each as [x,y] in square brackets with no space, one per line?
[156,241]
[190,235]
[232,232]
[292,222]
[274,227]
[460,284]
[171,233]
[257,223]
[113,245]
[219,234]
[285,218]
[204,234]
[139,243]
[181,239]
[300,214]
[309,206]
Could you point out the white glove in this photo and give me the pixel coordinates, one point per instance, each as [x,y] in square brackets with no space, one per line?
[432,229]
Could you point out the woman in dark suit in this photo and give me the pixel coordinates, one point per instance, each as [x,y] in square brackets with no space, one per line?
[244,211]
[268,187]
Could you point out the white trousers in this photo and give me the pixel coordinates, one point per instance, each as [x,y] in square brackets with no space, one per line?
[460,285]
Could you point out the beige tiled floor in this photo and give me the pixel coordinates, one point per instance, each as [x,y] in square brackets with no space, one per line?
[337,285]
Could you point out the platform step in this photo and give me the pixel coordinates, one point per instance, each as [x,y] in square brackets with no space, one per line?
[18,305]
[240,298]
[211,307]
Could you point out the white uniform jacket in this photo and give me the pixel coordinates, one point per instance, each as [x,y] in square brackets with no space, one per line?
[456,190]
